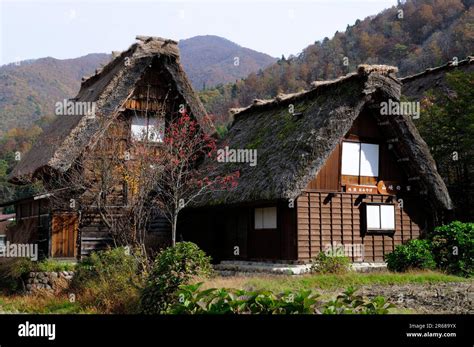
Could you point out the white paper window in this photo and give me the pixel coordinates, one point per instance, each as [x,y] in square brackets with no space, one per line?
[360,159]
[380,217]
[266,218]
[373,217]
[350,158]
[369,160]
[387,216]
[151,129]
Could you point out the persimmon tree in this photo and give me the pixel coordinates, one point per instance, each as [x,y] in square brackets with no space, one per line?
[180,179]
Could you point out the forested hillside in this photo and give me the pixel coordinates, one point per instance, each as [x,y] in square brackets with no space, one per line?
[29,90]
[211,60]
[413,36]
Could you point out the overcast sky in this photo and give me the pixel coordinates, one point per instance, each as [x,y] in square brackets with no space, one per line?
[69,29]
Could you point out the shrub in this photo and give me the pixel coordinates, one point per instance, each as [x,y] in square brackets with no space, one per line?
[415,254]
[109,280]
[328,264]
[52,265]
[173,267]
[13,273]
[453,248]
[191,300]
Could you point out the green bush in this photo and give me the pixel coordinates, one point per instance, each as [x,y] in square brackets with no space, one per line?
[453,248]
[328,264]
[109,280]
[191,300]
[415,254]
[13,274]
[173,267]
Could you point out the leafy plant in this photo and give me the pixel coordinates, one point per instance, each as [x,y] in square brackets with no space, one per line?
[109,280]
[173,267]
[191,300]
[415,254]
[453,248]
[350,303]
[329,264]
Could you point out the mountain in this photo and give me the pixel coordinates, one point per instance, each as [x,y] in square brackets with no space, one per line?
[415,35]
[28,91]
[211,60]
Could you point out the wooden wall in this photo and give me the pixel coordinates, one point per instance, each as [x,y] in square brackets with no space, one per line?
[326,218]
[32,225]
[328,177]
[219,230]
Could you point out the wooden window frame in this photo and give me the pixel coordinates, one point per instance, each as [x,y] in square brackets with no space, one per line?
[147,140]
[360,156]
[264,207]
[374,231]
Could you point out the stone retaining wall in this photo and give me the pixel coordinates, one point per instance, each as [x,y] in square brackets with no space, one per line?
[49,281]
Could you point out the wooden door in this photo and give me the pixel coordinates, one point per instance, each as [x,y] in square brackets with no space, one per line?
[64,235]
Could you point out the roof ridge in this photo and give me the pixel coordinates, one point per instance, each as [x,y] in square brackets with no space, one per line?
[449,64]
[362,70]
[146,45]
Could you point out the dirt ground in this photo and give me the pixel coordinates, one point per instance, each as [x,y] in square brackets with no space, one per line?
[440,298]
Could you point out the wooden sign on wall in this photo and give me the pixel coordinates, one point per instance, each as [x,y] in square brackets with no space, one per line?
[361,189]
[388,187]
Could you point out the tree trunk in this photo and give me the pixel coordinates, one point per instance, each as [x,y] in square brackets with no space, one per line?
[173,230]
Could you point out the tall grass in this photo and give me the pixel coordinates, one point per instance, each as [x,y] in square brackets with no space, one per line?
[330,281]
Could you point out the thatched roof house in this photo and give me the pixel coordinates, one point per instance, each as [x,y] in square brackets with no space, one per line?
[138,93]
[110,88]
[292,148]
[303,194]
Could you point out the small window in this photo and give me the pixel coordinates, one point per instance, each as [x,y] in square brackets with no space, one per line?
[360,159]
[148,128]
[380,217]
[266,218]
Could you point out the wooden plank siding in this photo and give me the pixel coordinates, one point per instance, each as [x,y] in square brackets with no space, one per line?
[327,218]
[326,178]
[327,214]
[32,224]
[228,232]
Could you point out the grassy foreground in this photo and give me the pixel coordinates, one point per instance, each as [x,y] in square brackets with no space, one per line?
[326,282]
[61,305]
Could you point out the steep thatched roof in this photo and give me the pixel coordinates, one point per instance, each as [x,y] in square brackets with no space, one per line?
[67,136]
[415,86]
[292,148]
